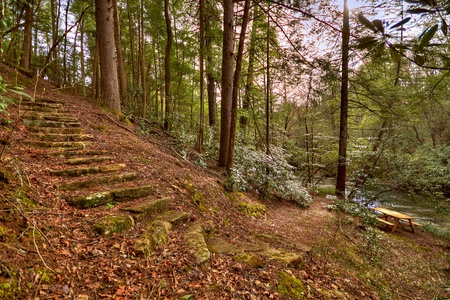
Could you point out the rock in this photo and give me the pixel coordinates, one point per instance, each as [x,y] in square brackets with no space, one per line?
[82,184]
[197,244]
[290,286]
[217,245]
[114,224]
[173,217]
[157,234]
[88,170]
[250,259]
[149,208]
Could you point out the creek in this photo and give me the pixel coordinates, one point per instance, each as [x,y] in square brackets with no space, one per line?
[426,209]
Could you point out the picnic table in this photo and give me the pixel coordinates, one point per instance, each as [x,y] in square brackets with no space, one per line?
[393,218]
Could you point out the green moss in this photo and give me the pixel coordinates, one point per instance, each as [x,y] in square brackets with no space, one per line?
[114,224]
[290,286]
[197,197]
[250,259]
[3,232]
[324,190]
[254,210]
[45,275]
[10,289]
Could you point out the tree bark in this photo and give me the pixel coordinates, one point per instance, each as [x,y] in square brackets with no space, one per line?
[201,130]
[343,128]
[120,67]
[210,80]
[236,80]
[108,68]
[142,55]
[26,46]
[227,80]
[167,79]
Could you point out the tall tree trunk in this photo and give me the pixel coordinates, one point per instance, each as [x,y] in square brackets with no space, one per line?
[250,76]
[227,81]
[210,80]
[120,67]
[95,92]
[201,131]
[66,26]
[142,55]
[132,50]
[108,68]
[236,80]
[26,46]
[82,60]
[343,128]
[167,79]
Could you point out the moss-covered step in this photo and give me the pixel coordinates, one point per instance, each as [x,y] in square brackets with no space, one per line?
[87,160]
[74,172]
[46,123]
[59,117]
[48,144]
[35,104]
[58,130]
[59,145]
[74,153]
[104,180]
[112,224]
[63,137]
[174,217]
[148,209]
[117,195]
[26,108]
[197,244]
[156,234]
[41,100]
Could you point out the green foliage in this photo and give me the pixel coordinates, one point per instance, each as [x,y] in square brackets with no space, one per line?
[267,174]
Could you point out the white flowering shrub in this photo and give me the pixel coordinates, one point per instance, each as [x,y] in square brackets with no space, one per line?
[255,170]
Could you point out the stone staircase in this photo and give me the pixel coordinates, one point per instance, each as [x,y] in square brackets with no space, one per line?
[89,177]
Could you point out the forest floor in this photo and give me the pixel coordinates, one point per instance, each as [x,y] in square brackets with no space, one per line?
[50,250]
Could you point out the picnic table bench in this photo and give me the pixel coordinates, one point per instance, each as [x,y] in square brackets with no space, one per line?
[394,219]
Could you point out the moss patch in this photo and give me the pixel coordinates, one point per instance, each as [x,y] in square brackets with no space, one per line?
[114,224]
[290,286]
[250,259]
[197,197]
[252,209]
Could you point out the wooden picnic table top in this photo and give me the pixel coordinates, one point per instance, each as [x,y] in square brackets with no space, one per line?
[392,213]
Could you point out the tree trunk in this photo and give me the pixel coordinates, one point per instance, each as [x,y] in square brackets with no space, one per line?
[343,127]
[167,79]
[108,68]
[132,50]
[201,130]
[227,81]
[26,46]
[250,76]
[142,55]
[236,80]
[120,67]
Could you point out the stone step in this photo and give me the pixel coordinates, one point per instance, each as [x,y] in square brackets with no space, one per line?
[73,153]
[41,100]
[28,108]
[60,137]
[49,144]
[105,180]
[47,123]
[56,130]
[148,209]
[111,224]
[35,104]
[75,172]
[59,117]
[117,195]
[87,160]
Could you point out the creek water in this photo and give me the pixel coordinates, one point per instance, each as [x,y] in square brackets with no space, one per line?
[425,209]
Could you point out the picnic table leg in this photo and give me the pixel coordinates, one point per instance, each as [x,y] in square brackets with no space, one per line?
[412,225]
[397,221]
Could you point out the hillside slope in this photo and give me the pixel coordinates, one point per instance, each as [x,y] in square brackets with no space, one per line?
[167,229]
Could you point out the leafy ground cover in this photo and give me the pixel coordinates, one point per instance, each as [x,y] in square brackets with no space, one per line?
[51,250]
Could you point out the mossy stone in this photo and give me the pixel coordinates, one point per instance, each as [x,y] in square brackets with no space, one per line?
[197,244]
[252,209]
[220,246]
[114,224]
[250,259]
[291,286]
[197,197]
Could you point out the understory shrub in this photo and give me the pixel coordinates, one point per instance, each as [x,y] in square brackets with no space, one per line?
[267,175]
